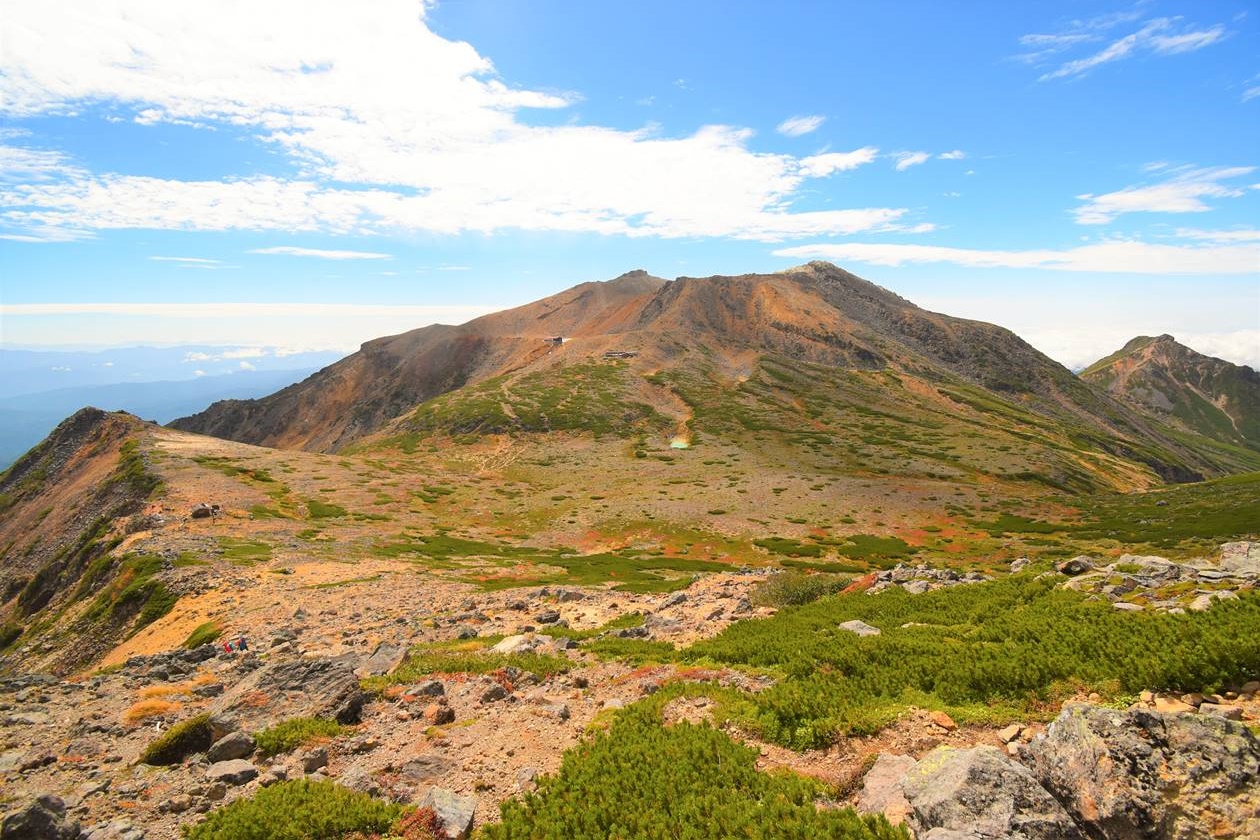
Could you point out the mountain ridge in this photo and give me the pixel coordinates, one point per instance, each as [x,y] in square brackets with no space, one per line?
[723,327]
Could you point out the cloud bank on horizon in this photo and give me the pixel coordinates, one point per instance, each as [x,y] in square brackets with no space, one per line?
[259,142]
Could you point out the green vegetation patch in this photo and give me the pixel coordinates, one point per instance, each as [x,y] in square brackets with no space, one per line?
[203,634]
[241,552]
[987,651]
[621,622]
[323,510]
[288,735]
[180,741]
[135,592]
[792,589]
[466,656]
[644,780]
[298,810]
[631,571]
[134,472]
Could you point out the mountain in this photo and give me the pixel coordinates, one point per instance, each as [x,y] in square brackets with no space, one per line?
[362,392]
[701,355]
[1186,389]
[25,419]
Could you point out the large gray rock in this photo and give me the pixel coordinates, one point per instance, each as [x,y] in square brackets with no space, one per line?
[234,772]
[859,627]
[1133,774]
[1241,558]
[980,792]
[235,745]
[881,788]
[383,660]
[322,687]
[43,818]
[455,812]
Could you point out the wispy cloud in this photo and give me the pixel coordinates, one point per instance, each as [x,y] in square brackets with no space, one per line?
[905,160]
[1158,36]
[321,253]
[1236,235]
[189,260]
[1182,193]
[800,125]
[956,154]
[820,166]
[1115,256]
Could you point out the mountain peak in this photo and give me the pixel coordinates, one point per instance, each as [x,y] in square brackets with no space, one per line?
[1163,378]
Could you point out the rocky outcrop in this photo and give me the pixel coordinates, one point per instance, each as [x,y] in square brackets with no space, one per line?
[321,687]
[983,794]
[43,818]
[1095,772]
[1125,775]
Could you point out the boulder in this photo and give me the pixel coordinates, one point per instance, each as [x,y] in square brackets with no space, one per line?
[916,587]
[1076,566]
[383,660]
[1221,710]
[1241,558]
[235,745]
[428,688]
[983,792]
[234,772]
[320,687]
[43,818]
[454,812]
[1135,774]
[315,760]
[515,644]
[861,628]
[547,617]
[881,788]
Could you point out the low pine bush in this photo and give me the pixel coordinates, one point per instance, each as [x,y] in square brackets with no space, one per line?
[644,780]
[792,589]
[300,810]
[292,733]
[1008,648]
[180,741]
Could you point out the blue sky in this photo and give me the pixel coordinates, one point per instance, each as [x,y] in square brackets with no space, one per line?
[314,174]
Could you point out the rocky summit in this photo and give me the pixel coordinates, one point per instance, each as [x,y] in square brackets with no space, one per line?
[774,555]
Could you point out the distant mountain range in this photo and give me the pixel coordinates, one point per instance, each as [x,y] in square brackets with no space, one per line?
[25,419]
[38,371]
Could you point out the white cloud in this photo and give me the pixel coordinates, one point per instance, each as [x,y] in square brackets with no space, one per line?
[199,372]
[797,126]
[1122,256]
[450,151]
[820,166]
[188,260]
[905,160]
[956,154]
[247,366]
[1160,36]
[1236,235]
[1251,93]
[1182,193]
[323,254]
